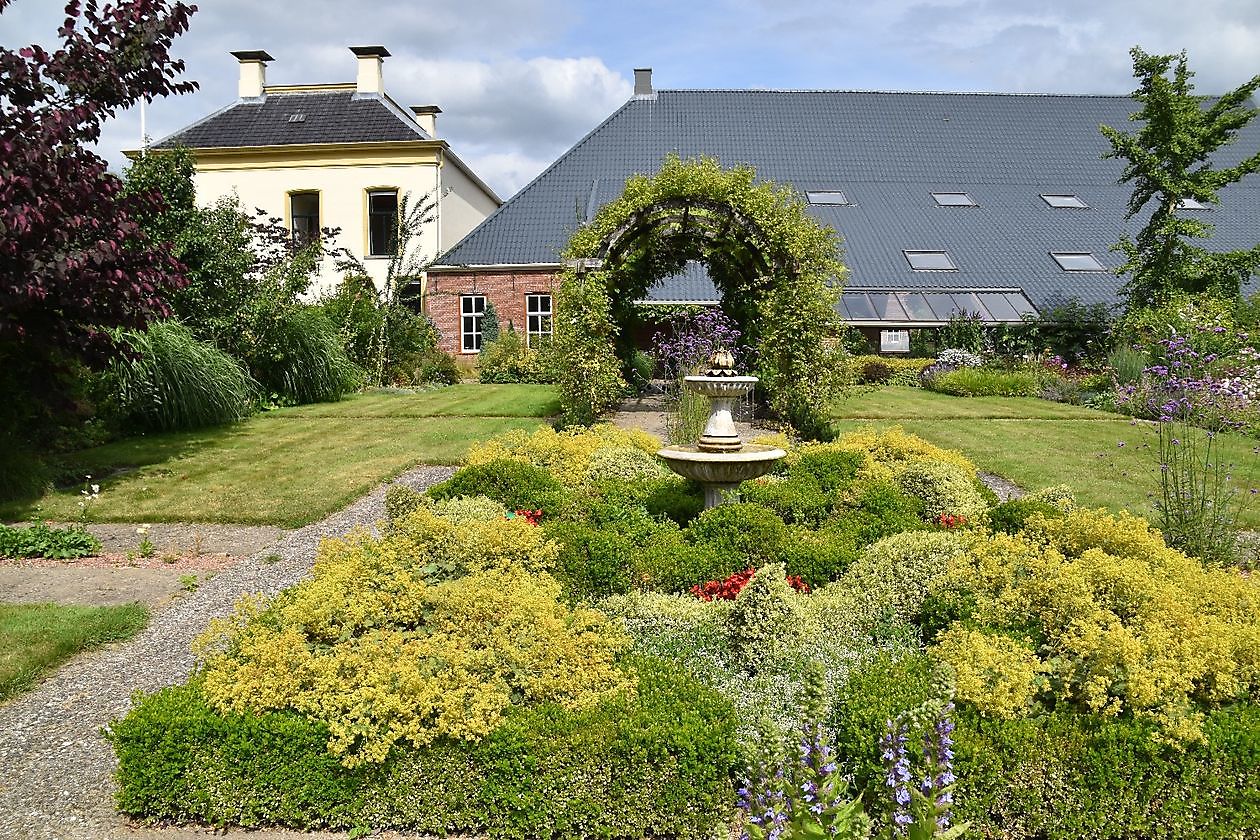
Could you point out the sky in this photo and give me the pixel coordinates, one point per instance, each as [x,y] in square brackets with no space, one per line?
[520,81]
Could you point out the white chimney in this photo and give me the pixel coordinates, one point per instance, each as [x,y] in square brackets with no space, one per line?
[426,115]
[253,80]
[370,60]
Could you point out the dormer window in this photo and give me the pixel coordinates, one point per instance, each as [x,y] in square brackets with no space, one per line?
[304,216]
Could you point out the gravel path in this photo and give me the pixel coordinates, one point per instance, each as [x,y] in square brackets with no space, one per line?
[56,771]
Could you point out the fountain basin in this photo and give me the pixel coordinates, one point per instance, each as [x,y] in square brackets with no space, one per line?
[721,387]
[721,473]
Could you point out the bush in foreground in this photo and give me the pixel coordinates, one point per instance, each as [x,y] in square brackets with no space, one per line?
[656,762]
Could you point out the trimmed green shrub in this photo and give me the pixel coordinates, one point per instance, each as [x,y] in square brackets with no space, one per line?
[883,687]
[897,573]
[1064,776]
[750,535]
[167,379]
[1011,517]
[625,463]
[797,500]
[593,561]
[669,562]
[884,370]
[680,501]
[656,762]
[944,489]
[514,484]
[830,468]
[401,500]
[818,557]
[983,382]
[180,760]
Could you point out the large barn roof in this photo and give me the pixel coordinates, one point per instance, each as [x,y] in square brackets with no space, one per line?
[888,153]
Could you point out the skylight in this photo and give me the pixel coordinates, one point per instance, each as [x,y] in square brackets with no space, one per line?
[827,197]
[1190,204]
[954,199]
[1077,261]
[930,261]
[1063,200]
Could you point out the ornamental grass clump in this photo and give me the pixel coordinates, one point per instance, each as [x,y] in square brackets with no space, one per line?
[385,644]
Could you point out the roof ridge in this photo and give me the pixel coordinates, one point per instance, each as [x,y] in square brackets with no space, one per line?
[879,91]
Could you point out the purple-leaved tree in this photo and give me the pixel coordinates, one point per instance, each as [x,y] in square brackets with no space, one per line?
[73,261]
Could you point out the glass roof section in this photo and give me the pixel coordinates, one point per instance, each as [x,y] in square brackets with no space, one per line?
[934,306]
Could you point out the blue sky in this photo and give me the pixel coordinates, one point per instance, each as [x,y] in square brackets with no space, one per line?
[519,81]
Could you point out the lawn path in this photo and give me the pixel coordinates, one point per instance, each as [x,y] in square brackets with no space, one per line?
[56,771]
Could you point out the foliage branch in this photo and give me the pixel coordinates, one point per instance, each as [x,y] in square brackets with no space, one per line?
[1170,158]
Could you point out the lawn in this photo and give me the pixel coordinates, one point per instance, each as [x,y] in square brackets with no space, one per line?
[35,638]
[292,466]
[1105,458]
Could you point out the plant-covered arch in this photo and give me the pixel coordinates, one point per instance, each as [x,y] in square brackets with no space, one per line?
[776,268]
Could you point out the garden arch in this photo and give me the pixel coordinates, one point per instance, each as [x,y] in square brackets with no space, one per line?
[776,268]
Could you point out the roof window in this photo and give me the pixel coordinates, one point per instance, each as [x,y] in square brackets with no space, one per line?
[930,261]
[1065,200]
[1190,204]
[1077,261]
[954,199]
[827,197]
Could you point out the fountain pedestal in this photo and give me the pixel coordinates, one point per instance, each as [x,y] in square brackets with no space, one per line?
[720,460]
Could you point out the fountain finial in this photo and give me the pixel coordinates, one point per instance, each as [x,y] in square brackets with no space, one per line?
[721,363]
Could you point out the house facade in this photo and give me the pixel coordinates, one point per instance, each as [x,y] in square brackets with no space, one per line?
[997,204]
[341,156]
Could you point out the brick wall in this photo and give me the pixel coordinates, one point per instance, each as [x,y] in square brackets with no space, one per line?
[505,289]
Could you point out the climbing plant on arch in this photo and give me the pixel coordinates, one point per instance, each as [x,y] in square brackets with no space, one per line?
[776,268]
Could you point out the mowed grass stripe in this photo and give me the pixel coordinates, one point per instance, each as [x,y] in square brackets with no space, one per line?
[268,470]
[465,400]
[897,402]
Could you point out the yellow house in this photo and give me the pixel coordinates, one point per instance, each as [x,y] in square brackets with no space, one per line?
[335,156]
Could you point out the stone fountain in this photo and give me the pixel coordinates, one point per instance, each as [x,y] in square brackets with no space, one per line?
[720,460]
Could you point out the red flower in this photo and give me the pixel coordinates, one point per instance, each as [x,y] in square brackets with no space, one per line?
[729,589]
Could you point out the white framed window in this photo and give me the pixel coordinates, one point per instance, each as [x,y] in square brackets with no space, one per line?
[537,318]
[472,308]
[894,341]
[835,197]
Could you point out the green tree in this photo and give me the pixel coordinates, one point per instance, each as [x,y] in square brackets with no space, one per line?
[1170,159]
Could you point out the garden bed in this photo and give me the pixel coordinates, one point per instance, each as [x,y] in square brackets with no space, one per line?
[559,642]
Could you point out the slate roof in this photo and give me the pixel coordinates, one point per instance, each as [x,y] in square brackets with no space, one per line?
[888,152]
[328,116]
